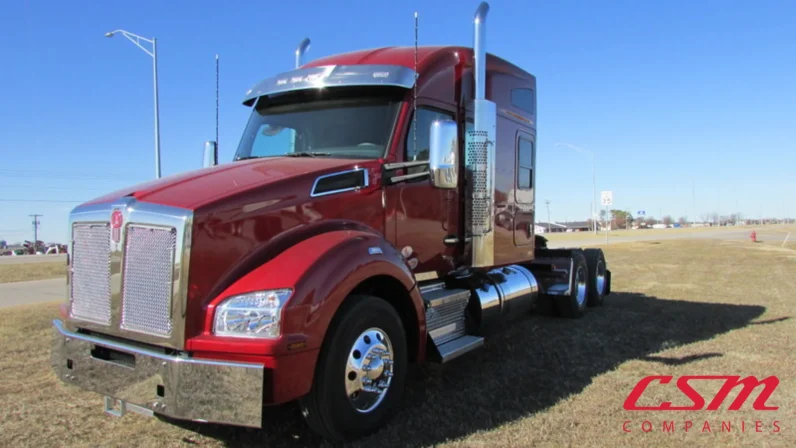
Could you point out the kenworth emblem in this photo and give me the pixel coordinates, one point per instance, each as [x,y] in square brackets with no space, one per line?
[116,225]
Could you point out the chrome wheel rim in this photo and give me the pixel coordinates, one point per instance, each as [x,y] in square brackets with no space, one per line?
[369,370]
[580,285]
[600,277]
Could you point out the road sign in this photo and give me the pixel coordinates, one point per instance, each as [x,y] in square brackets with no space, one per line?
[607,198]
[641,213]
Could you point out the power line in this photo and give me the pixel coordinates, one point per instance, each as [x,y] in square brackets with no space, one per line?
[52,187]
[6,172]
[36,200]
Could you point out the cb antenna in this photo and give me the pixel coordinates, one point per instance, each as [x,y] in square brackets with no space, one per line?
[216,102]
[414,114]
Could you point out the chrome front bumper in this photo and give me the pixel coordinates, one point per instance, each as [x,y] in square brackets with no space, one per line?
[148,381]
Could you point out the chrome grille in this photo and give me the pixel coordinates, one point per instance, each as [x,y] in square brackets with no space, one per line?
[90,285]
[479,213]
[147,284]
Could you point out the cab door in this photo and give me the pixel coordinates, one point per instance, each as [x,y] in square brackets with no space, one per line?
[524,188]
[426,218]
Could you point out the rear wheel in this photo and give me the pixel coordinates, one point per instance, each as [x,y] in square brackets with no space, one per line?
[361,371]
[574,304]
[598,280]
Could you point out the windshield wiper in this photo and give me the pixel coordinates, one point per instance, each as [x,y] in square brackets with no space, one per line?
[307,154]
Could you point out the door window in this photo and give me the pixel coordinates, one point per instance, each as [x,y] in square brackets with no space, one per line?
[419,151]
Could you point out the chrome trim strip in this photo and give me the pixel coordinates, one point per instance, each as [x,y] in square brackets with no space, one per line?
[147,214]
[313,194]
[399,165]
[145,352]
[396,179]
[333,76]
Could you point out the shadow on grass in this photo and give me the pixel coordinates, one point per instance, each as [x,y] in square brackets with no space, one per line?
[526,368]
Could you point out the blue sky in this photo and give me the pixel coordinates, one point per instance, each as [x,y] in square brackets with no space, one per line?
[666,94]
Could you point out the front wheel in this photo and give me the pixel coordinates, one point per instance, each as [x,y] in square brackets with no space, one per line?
[361,371]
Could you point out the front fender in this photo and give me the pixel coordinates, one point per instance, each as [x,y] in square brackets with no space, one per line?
[322,271]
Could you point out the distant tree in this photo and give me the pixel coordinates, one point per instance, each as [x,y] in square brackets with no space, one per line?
[621,218]
[668,220]
[681,220]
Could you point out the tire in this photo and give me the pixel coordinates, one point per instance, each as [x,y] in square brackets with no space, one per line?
[358,325]
[574,305]
[598,280]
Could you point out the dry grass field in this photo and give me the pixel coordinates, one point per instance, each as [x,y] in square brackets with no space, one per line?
[678,308]
[31,271]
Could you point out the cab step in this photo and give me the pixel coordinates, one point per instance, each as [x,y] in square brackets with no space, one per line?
[457,347]
[445,322]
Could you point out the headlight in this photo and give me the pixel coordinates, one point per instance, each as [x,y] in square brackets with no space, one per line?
[252,315]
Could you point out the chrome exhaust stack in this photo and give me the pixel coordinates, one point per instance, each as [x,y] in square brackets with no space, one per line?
[480,155]
[302,48]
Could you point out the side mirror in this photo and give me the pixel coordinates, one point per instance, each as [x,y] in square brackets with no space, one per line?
[443,164]
[211,154]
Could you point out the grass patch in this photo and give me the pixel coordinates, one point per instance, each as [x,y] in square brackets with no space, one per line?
[31,271]
[678,308]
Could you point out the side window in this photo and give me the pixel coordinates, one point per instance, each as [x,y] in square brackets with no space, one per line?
[420,152]
[525,164]
[523,99]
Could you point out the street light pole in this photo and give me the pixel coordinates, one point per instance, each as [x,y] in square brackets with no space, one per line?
[136,39]
[593,182]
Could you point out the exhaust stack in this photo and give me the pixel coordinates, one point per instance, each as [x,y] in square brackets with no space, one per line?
[302,48]
[480,155]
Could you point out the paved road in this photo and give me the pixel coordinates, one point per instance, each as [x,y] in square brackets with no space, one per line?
[718,234]
[37,291]
[22,259]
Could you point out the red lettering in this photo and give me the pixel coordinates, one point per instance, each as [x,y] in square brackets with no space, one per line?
[749,384]
[688,424]
[776,425]
[624,426]
[682,384]
[649,425]
[725,425]
[635,394]
[668,426]
[706,425]
[758,426]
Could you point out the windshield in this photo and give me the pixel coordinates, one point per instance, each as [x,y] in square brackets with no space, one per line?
[342,128]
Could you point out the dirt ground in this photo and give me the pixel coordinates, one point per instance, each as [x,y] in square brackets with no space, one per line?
[678,308]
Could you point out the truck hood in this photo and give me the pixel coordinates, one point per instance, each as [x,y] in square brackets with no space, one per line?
[196,188]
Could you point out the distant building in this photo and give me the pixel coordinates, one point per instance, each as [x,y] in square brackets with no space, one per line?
[544,227]
[559,227]
[577,226]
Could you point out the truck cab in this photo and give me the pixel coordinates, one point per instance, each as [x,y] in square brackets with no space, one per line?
[378,211]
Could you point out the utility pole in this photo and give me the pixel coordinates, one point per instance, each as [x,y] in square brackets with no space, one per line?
[35,231]
[693,198]
[547,203]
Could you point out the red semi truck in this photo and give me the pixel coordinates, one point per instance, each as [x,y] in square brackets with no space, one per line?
[379,211]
